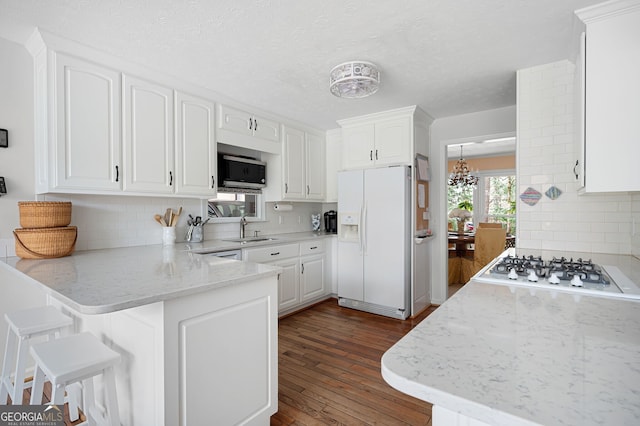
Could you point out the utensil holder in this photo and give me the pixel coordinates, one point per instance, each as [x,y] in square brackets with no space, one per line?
[168,235]
[197,234]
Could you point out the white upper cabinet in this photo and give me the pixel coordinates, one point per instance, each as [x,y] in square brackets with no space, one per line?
[381,139]
[612,98]
[315,162]
[195,146]
[247,130]
[148,137]
[303,166]
[87,117]
[293,164]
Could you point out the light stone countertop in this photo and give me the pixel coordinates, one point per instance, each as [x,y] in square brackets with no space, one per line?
[209,246]
[518,356]
[108,280]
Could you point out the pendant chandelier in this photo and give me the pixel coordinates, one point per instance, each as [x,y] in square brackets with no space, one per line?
[354,79]
[461,174]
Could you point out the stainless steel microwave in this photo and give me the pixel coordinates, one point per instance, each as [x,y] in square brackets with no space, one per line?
[241,172]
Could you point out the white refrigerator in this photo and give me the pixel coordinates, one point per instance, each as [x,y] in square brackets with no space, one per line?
[374,240]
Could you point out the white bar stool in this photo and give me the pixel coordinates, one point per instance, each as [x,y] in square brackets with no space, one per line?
[75,358]
[23,326]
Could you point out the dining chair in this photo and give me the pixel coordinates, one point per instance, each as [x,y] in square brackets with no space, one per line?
[489,243]
[489,225]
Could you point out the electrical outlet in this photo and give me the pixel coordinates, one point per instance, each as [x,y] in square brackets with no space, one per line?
[299,220]
[280,220]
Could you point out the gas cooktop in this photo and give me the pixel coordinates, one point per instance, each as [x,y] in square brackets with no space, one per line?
[567,274]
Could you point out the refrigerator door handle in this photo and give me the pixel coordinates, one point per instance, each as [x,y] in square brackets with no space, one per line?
[360,229]
[363,227]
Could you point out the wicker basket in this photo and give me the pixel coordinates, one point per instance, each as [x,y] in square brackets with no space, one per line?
[44,214]
[45,243]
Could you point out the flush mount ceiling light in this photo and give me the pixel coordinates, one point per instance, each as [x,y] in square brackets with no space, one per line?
[354,79]
[461,175]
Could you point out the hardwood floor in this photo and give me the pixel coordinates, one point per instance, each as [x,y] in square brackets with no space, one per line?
[329,369]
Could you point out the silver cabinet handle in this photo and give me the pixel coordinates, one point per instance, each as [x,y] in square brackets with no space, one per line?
[255,125]
[307,189]
[250,123]
[574,170]
[286,188]
[302,268]
[213,182]
[371,155]
[275,253]
[376,154]
[117,174]
[170,178]
[313,248]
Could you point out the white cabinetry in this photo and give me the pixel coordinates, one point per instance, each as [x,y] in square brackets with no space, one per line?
[612,96]
[148,137]
[247,130]
[87,117]
[385,138]
[195,146]
[303,167]
[304,269]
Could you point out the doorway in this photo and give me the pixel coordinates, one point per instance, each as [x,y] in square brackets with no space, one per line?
[484,192]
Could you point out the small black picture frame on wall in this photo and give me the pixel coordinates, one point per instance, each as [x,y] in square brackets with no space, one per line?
[4,138]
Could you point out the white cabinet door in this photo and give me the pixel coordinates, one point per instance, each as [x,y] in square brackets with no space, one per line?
[358,146]
[266,129]
[195,146]
[244,129]
[235,120]
[293,176]
[612,102]
[393,142]
[87,113]
[148,137]
[288,283]
[315,165]
[312,281]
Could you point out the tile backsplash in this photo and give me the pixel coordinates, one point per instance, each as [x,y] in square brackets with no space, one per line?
[107,221]
[546,154]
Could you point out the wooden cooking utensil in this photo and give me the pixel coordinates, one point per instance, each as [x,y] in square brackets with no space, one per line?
[160,220]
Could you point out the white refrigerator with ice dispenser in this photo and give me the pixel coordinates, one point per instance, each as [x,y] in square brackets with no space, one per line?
[374,240]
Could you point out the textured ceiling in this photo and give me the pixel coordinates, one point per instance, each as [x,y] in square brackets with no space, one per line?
[448,56]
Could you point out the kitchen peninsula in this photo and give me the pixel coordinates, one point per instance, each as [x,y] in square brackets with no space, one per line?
[507,355]
[197,334]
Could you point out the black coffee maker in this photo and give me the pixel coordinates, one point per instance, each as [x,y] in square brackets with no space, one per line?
[331,221]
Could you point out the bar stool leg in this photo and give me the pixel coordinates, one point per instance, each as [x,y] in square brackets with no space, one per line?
[18,385]
[113,415]
[9,360]
[88,401]
[37,387]
[72,400]
[57,394]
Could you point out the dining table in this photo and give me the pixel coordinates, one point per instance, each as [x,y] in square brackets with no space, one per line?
[463,243]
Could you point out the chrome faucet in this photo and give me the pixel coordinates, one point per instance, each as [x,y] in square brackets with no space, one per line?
[243,224]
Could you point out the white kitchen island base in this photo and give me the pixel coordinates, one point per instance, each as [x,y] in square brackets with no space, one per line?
[197,334]
[208,358]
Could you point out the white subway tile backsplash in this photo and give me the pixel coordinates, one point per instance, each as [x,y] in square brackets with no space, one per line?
[546,156]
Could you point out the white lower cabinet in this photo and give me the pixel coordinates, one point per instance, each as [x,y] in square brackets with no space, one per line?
[303,277]
[312,277]
[288,284]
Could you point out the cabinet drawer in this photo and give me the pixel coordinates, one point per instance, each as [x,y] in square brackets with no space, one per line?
[271,253]
[311,247]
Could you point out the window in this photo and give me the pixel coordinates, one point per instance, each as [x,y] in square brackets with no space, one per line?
[229,205]
[497,202]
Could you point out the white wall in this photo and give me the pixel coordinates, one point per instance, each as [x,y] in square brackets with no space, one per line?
[444,131]
[592,223]
[16,115]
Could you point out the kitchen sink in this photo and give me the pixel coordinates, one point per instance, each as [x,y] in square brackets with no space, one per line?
[250,240]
